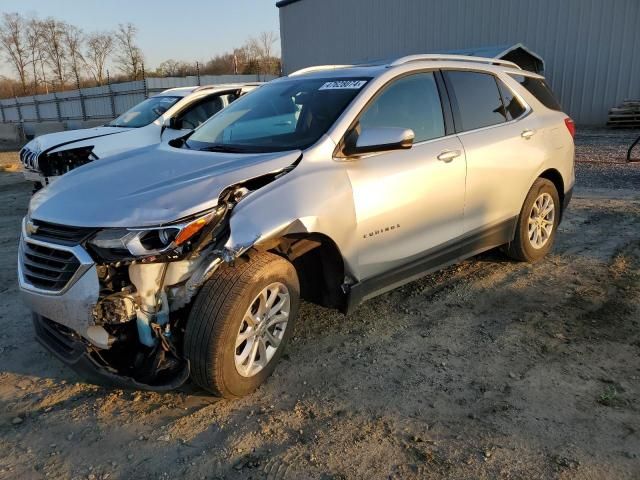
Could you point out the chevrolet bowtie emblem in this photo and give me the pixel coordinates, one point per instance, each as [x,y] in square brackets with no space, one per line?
[31,227]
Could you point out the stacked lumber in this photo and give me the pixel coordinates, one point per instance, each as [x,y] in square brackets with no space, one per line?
[625,115]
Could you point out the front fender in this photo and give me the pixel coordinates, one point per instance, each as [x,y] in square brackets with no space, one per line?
[313,198]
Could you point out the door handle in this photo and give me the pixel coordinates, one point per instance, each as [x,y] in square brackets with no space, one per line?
[449,155]
[527,134]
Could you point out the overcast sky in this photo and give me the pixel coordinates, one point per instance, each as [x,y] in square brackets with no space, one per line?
[182,30]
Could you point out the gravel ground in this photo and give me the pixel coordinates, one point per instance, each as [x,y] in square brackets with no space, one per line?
[488,369]
[601,159]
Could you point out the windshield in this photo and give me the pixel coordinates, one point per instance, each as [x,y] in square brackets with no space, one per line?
[284,115]
[144,113]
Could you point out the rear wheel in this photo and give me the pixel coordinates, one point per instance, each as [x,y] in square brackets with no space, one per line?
[537,224]
[240,323]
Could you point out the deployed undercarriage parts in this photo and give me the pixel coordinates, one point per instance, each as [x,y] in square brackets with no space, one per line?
[119,366]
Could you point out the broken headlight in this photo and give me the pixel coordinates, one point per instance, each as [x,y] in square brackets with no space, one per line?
[149,243]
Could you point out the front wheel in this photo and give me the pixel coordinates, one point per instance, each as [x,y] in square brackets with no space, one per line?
[537,224]
[240,323]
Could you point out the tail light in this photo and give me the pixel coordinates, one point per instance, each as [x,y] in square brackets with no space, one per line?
[571,126]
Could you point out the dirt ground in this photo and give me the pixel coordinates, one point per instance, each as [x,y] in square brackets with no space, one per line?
[489,369]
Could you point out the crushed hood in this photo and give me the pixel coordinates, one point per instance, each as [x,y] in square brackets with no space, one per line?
[53,140]
[149,186]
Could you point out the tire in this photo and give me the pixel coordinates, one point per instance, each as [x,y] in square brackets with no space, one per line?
[523,248]
[219,312]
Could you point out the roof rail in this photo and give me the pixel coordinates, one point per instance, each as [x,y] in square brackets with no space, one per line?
[455,58]
[317,68]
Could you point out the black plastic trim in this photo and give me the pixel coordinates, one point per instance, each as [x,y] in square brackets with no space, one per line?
[565,202]
[449,253]
[445,103]
[284,3]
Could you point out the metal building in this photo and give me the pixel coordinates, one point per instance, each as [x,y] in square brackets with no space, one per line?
[591,48]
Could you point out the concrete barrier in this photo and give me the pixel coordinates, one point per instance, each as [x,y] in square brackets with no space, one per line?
[78,124]
[10,132]
[46,127]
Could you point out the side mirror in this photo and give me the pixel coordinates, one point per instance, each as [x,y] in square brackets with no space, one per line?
[380,139]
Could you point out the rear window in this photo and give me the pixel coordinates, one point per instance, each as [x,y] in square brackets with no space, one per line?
[478,100]
[539,88]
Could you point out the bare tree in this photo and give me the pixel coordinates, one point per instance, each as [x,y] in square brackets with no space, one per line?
[266,41]
[221,64]
[129,57]
[175,68]
[54,47]
[34,42]
[14,44]
[99,48]
[73,38]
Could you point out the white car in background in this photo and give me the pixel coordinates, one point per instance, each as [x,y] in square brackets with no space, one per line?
[163,117]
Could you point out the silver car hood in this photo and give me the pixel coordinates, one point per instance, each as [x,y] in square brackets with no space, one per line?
[52,140]
[149,186]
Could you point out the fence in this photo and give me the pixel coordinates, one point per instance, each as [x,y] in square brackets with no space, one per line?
[68,109]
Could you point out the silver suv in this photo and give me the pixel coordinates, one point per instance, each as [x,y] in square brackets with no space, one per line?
[334,185]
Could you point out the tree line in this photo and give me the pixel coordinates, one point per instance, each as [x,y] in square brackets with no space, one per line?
[52,55]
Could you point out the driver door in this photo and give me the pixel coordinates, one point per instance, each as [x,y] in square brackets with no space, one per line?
[408,203]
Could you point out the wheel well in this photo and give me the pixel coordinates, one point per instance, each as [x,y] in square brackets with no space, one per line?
[318,263]
[555,177]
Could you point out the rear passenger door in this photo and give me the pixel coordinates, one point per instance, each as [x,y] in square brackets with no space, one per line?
[407,202]
[502,152]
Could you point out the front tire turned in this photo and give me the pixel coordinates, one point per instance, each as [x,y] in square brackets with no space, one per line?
[537,224]
[240,324]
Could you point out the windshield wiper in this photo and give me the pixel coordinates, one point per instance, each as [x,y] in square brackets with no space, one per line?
[219,147]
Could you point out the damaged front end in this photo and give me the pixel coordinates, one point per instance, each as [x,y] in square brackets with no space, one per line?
[122,321]
[54,164]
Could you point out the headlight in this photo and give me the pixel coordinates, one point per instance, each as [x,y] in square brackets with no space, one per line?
[148,242]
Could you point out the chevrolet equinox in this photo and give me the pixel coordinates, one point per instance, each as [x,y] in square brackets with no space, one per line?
[334,184]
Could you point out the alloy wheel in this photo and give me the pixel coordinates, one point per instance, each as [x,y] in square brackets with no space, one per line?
[262,329]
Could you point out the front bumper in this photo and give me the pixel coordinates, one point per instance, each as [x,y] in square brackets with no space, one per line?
[34,176]
[62,319]
[72,306]
[72,350]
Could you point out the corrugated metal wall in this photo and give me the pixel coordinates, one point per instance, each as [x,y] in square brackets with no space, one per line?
[591,47]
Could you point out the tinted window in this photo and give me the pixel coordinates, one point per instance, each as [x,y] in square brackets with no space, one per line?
[513,107]
[478,99]
[201,112]
[411,102]
[539,89]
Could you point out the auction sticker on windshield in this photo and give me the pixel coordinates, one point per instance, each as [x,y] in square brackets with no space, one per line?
[343,85]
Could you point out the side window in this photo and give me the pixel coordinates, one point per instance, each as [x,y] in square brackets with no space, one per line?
[230,97]
[201,112]
[478,99]
[512,105]
[539,89]
[411,102]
